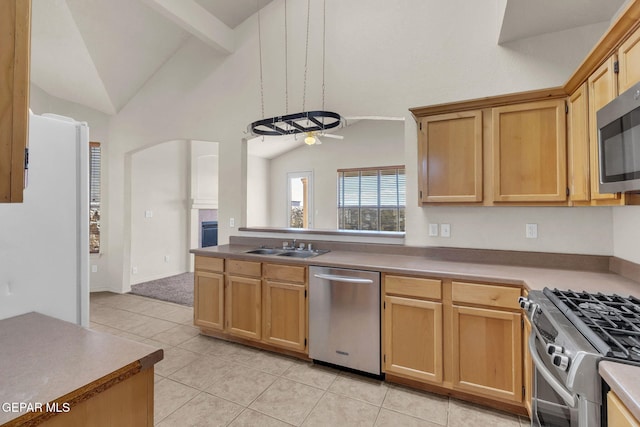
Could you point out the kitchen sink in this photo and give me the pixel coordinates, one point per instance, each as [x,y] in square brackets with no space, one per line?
[300,254]
[265,251]
[294,253]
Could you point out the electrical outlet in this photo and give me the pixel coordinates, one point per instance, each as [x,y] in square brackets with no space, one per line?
[94,268]
[531,231]
[166,258]
[445,230]
[134,270]
[433,230]
[148,214]
[232,222]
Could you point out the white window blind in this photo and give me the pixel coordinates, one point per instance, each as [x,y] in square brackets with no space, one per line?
[372,198]
[95,158]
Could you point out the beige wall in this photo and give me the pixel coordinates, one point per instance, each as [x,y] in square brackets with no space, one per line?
[258,191]
[367,143]
[159,185]
[626,233]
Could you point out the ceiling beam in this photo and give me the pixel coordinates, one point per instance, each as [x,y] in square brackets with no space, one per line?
[198,21]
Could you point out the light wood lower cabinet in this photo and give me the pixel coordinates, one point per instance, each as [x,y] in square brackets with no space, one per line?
[243,295]
[413,338]
[208,307]
[487,358]
[262,302]
[284,306]
[617,414]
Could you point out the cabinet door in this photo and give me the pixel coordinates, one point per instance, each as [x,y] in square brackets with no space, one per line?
[413,338]
[617,414]
[451,157]
[208,300]
[578,146]
[15,19]
[285,313]
[487,352]
[602,90]
[529,152]
[243,307]
[629,62]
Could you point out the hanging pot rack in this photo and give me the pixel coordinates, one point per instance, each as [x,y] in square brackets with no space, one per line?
[307,122]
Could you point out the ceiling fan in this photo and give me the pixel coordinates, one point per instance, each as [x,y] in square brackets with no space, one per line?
[313,137]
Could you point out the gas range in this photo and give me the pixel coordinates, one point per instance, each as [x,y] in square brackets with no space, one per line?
[611,323]
[571,333]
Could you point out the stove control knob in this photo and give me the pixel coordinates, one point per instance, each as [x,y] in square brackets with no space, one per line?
[561,361]
[525,304]
[553,349]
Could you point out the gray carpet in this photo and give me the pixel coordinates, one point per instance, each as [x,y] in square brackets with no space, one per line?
[178,289]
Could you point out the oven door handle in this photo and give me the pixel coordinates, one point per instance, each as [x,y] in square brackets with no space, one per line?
[568,397]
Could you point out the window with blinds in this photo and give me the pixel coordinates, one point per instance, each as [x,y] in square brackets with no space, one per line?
[372,198]
[94,197]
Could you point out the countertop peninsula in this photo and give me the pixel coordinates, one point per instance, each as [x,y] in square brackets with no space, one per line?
[46,360]
[534,278]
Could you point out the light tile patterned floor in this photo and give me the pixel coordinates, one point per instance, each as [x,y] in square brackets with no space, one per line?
[203,381]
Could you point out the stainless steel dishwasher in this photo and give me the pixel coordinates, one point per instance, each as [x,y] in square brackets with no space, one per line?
[344,318]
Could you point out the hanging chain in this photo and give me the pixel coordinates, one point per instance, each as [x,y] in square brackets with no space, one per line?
[324,37]
[286,62]
[306,58]
[260,55]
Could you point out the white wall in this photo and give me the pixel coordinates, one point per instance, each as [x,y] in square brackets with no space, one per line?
[626,233]
[159,184]
[368,143]
[40,103]
[258,192]
[382,58]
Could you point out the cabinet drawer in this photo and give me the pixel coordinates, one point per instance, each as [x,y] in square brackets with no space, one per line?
[209,264]
[243,268]
[413,287]
[491,295]
[287,273]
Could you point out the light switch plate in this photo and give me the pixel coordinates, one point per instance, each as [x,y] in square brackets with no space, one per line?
[148,214]
[232,222]
[445,230]
[433,230]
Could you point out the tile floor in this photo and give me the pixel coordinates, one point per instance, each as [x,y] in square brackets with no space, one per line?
[203,381]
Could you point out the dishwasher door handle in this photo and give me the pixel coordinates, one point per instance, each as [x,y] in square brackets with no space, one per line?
[345,279]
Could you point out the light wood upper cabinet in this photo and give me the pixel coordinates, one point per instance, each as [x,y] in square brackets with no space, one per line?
[15,22]
[450,152]
[629,62]
[284,308]
[578,146]
[603,88]
[529,152]
[243,296]
[487,352]
[413,338]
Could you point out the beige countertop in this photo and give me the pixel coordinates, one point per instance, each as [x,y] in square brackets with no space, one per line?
[43,359]
[534,278]
[623,380]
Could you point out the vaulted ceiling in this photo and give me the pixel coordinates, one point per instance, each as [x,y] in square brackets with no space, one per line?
[99,53]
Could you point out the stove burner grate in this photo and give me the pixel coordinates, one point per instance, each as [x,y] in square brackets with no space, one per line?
[610,322]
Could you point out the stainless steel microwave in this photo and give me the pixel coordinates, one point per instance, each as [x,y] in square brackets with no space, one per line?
[619,143]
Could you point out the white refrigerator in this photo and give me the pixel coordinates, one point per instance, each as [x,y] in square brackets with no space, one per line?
[44,241]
